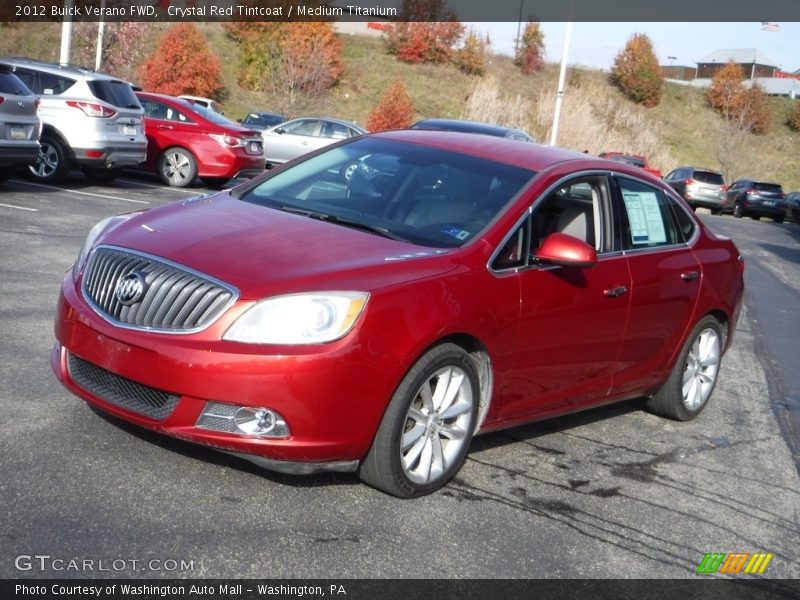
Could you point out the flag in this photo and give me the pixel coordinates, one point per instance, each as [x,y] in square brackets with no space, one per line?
[765,26]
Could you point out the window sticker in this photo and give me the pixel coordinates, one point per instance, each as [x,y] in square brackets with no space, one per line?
[644,215]
[459,234]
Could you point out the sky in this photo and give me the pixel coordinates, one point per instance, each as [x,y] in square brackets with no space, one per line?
[595,45]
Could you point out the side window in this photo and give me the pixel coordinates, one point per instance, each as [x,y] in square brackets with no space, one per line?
[304,127]
[29,79]
[647,219]
[53,85]
[514,253]
[672,175]
[574,209]
[685,223]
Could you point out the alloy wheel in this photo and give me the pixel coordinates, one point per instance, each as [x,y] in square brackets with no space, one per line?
[701,368]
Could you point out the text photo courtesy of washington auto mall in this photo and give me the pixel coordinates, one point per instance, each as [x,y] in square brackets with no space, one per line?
[399,299]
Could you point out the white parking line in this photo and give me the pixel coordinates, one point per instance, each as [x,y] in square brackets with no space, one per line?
[51,187]
[19,207]
[161,187]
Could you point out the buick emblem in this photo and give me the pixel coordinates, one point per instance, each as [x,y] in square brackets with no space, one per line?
[131,288]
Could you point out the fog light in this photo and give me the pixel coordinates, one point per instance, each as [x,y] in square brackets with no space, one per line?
[242,420]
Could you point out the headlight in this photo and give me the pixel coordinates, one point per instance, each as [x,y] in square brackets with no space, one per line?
[94,233]
[312,318]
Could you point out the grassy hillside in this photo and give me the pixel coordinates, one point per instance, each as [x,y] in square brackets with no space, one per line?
[595,116]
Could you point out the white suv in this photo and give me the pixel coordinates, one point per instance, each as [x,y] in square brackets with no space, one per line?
[90,120]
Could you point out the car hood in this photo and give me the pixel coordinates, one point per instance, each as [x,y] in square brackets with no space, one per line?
[265,252]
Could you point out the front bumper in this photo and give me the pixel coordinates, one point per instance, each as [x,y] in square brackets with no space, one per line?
[332,396]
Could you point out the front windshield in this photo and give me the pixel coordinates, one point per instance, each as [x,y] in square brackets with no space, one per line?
[414,193]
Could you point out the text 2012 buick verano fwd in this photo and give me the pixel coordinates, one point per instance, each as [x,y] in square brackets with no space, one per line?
[373,306]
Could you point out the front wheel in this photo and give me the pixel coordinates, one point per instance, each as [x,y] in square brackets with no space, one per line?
[177,167]
[425,433]
[778,219]
[686,392]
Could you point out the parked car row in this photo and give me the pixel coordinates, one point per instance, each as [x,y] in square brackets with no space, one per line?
[742,198]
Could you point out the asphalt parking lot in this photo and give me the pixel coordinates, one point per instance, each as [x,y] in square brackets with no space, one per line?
[615,492]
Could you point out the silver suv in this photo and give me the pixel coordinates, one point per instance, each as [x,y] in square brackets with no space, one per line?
[20,125]
[90,120]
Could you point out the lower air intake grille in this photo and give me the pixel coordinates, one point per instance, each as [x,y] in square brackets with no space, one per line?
[123,392]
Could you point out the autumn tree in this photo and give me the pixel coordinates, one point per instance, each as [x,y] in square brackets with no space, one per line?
[636,72]
[122,47]
[743,111]
[471,57]
[427,32]
[182,64]
[793,121]
[393,111]
[287,59]
[530,49]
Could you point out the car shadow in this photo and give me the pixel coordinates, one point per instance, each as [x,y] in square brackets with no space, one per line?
[527,433]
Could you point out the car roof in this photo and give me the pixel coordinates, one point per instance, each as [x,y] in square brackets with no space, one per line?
[527,156]
[73,70]
[329,119]
[465,126]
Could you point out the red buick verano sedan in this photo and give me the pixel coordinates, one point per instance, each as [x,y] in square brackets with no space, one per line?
[186,141]
[374,305]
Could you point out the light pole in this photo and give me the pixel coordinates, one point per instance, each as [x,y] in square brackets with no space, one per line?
[519,27]
[66,32]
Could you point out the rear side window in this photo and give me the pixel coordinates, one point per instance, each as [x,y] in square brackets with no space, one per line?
[116,93]
[11,84]
[53,85]
[708,177]
[647,220]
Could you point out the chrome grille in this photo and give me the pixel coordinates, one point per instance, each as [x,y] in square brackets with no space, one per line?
[175,299]
[123,392]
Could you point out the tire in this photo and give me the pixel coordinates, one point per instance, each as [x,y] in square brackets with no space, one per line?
[689,386]
[417,448]
[715,211]
[53,163]
[101,175]
[738,210]
[755,217]
[216,183]
[778,219]
[5,174]
[177,167]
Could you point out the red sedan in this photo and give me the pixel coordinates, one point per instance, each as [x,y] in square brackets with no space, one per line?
[186,140]
[374,305]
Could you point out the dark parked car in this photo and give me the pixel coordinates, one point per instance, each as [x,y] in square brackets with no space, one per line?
[187,140]
[262,120]
[793,206]
[20,125]
[306,321]
[756,199]
[472,127]
[699,187]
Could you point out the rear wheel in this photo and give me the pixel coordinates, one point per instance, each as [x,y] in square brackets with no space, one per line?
[177,167]
[715,211]
[778,219]
[425,433]
[686,392]
[738,210]
[53,162]
[755,217]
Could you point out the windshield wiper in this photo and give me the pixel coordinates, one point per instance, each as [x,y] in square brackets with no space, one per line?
[314,214]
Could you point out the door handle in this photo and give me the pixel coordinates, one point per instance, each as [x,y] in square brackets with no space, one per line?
[165,127]
[690,275]
[615,292]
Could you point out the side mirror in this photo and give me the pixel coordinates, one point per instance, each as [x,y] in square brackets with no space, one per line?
[280,130]
[566,251]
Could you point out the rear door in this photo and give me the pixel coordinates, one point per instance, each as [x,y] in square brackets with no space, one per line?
[665,281]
